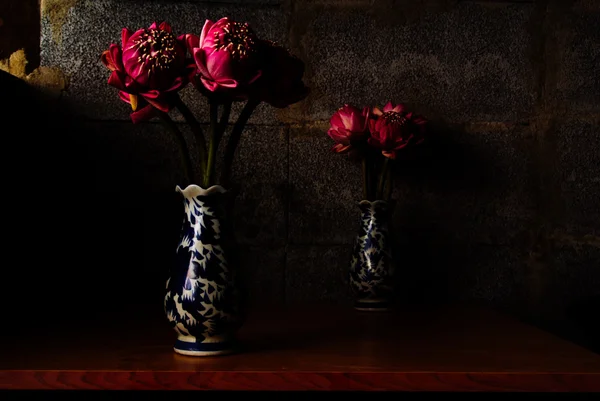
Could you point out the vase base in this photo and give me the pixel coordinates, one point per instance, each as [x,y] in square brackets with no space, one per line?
[204,349]
[373,305]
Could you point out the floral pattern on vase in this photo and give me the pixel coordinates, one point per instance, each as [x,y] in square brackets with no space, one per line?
[203,302]
[371,266]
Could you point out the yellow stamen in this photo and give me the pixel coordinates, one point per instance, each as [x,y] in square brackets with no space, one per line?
[134,102]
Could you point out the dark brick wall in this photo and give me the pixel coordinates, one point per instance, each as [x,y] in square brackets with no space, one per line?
[503,209]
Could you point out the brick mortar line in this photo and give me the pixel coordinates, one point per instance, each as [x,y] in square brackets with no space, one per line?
[113,121]
[582,116]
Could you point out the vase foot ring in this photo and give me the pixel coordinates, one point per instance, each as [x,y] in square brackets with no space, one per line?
[204,349]
[373,305]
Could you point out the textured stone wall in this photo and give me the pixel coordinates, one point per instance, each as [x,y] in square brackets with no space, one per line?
[504,209]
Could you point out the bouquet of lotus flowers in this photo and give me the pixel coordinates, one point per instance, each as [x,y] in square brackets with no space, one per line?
[376,137]
[227,63]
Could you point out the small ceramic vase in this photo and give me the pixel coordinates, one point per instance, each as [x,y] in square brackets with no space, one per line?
[371,266]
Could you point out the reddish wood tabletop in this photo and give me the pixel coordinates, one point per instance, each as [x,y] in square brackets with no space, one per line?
[459,348]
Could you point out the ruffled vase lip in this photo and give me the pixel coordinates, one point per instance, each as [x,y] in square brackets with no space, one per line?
[376,202]
[193,190]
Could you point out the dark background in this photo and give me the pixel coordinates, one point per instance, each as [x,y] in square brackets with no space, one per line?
[503,208]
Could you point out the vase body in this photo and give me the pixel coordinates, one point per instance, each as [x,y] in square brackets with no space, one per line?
[371,265]
[202,300]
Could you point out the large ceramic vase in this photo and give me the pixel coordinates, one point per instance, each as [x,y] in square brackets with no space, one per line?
[203,299]
[371,266]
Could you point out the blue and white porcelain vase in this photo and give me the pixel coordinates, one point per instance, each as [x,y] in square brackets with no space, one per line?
[203,299]
[371,265]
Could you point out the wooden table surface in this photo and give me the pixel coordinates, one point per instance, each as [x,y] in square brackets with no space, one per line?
[450,348]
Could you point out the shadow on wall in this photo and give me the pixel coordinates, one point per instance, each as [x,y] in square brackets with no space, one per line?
[72,248]
[450,193]
[436,255]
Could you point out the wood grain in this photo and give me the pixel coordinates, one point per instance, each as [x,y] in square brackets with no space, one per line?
[312,347]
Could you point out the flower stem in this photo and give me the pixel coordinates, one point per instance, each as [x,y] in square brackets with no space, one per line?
[234,139]
[365,178]
[197,130]
[369,170]
[170,124]
[224,119]
[389,185]
[213,144]
[383,173]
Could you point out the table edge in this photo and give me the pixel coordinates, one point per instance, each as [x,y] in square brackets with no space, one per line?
[300,380]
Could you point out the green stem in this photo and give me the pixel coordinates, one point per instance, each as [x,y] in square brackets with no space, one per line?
[369,169]
[196,129]
[389,184]
[373,165]
[170,124]
[365,178]
[213,144]
[382,175]
[224,118]
[234,139]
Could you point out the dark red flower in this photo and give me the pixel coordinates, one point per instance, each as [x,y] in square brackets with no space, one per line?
[150,64]
[348,125]
[393,129]
[226,57]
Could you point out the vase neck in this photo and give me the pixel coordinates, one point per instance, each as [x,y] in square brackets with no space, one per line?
[375,214]
[378,207]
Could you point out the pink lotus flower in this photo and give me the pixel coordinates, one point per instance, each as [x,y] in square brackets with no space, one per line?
[281,82]
[348,126]
[393,129]
[151,65]
[226,56]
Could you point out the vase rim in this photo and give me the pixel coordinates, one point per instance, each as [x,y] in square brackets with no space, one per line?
[375,202]
[193,190]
